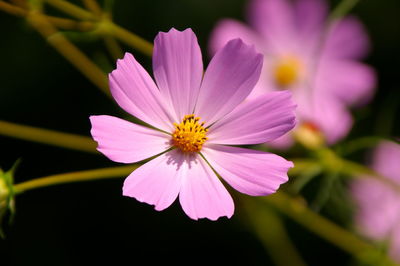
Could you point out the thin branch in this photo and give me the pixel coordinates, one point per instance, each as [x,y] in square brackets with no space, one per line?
[69,50]
[272,233]
[49,137]
[81,176]
[71,9]
[324,228]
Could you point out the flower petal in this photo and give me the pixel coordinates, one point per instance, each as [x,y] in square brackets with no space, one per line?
[202,194]
[178,69]
[310,17]
[386,160]
[158,181]
[329,115]
[135,91]
[351,81]
[378,210]
[229,29]
[347,39]
[229,78]
[251,172]
[256,121]
[125,142]
[274,19]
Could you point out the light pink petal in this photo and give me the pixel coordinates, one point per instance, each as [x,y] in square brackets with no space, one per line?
[274,19]
[332,118]
[251,172]
[202,194]
[125,142]
[394,249]
[178,69]
[256,121]
[229,29]
[228,80]
[310,19]
[377,212]
[387,160]
[135,91]
[351,81]
[159,181]
[347,39]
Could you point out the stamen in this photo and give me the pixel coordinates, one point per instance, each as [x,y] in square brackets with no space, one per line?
[287,71]
[189,135]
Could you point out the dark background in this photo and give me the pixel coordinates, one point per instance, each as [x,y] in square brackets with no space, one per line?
[91,223]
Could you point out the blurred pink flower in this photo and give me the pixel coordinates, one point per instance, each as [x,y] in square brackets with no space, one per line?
[173,106]
[378,204]
[325,78]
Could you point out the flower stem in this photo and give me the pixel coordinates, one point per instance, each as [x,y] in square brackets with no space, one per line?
[93,6]
[50,137]
[68,50]
[342,9]
[120,33]
[131,39]
[324,228]
[81,176]
[61,23]
[71,9]
[12,9]
[272,233]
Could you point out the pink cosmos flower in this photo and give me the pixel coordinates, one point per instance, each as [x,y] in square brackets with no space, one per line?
[324,79]
[190,149]
[378,212]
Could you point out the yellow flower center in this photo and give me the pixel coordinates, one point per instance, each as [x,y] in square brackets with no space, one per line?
[287,71]
[189,135]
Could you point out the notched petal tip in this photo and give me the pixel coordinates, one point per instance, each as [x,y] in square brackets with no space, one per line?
[172,31]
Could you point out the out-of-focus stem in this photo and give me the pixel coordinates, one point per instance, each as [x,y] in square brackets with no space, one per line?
[81,176]
[71,9]
[93,6]
[62,23]
[50,137]
[321,226]
[113,47]
[12,9]
[272,233]
[342,9]
[131,39]
[360,171]
[332,162]
[68,50]
[69,24]
[109,27]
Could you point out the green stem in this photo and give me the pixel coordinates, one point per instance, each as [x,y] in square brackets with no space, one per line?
[61,23]
[109,27]
[272,233]
[358,144]
[131,39]
[342,9]
[68,50]
[93,6]
[71,9]
[50,137]
[360,171]
[81,176]
[321,226]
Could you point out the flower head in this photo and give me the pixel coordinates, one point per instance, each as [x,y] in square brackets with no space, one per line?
[195,117]
[321,69]
[378,209]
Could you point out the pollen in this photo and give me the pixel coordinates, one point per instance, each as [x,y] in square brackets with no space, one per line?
[189,135]
[287,71]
